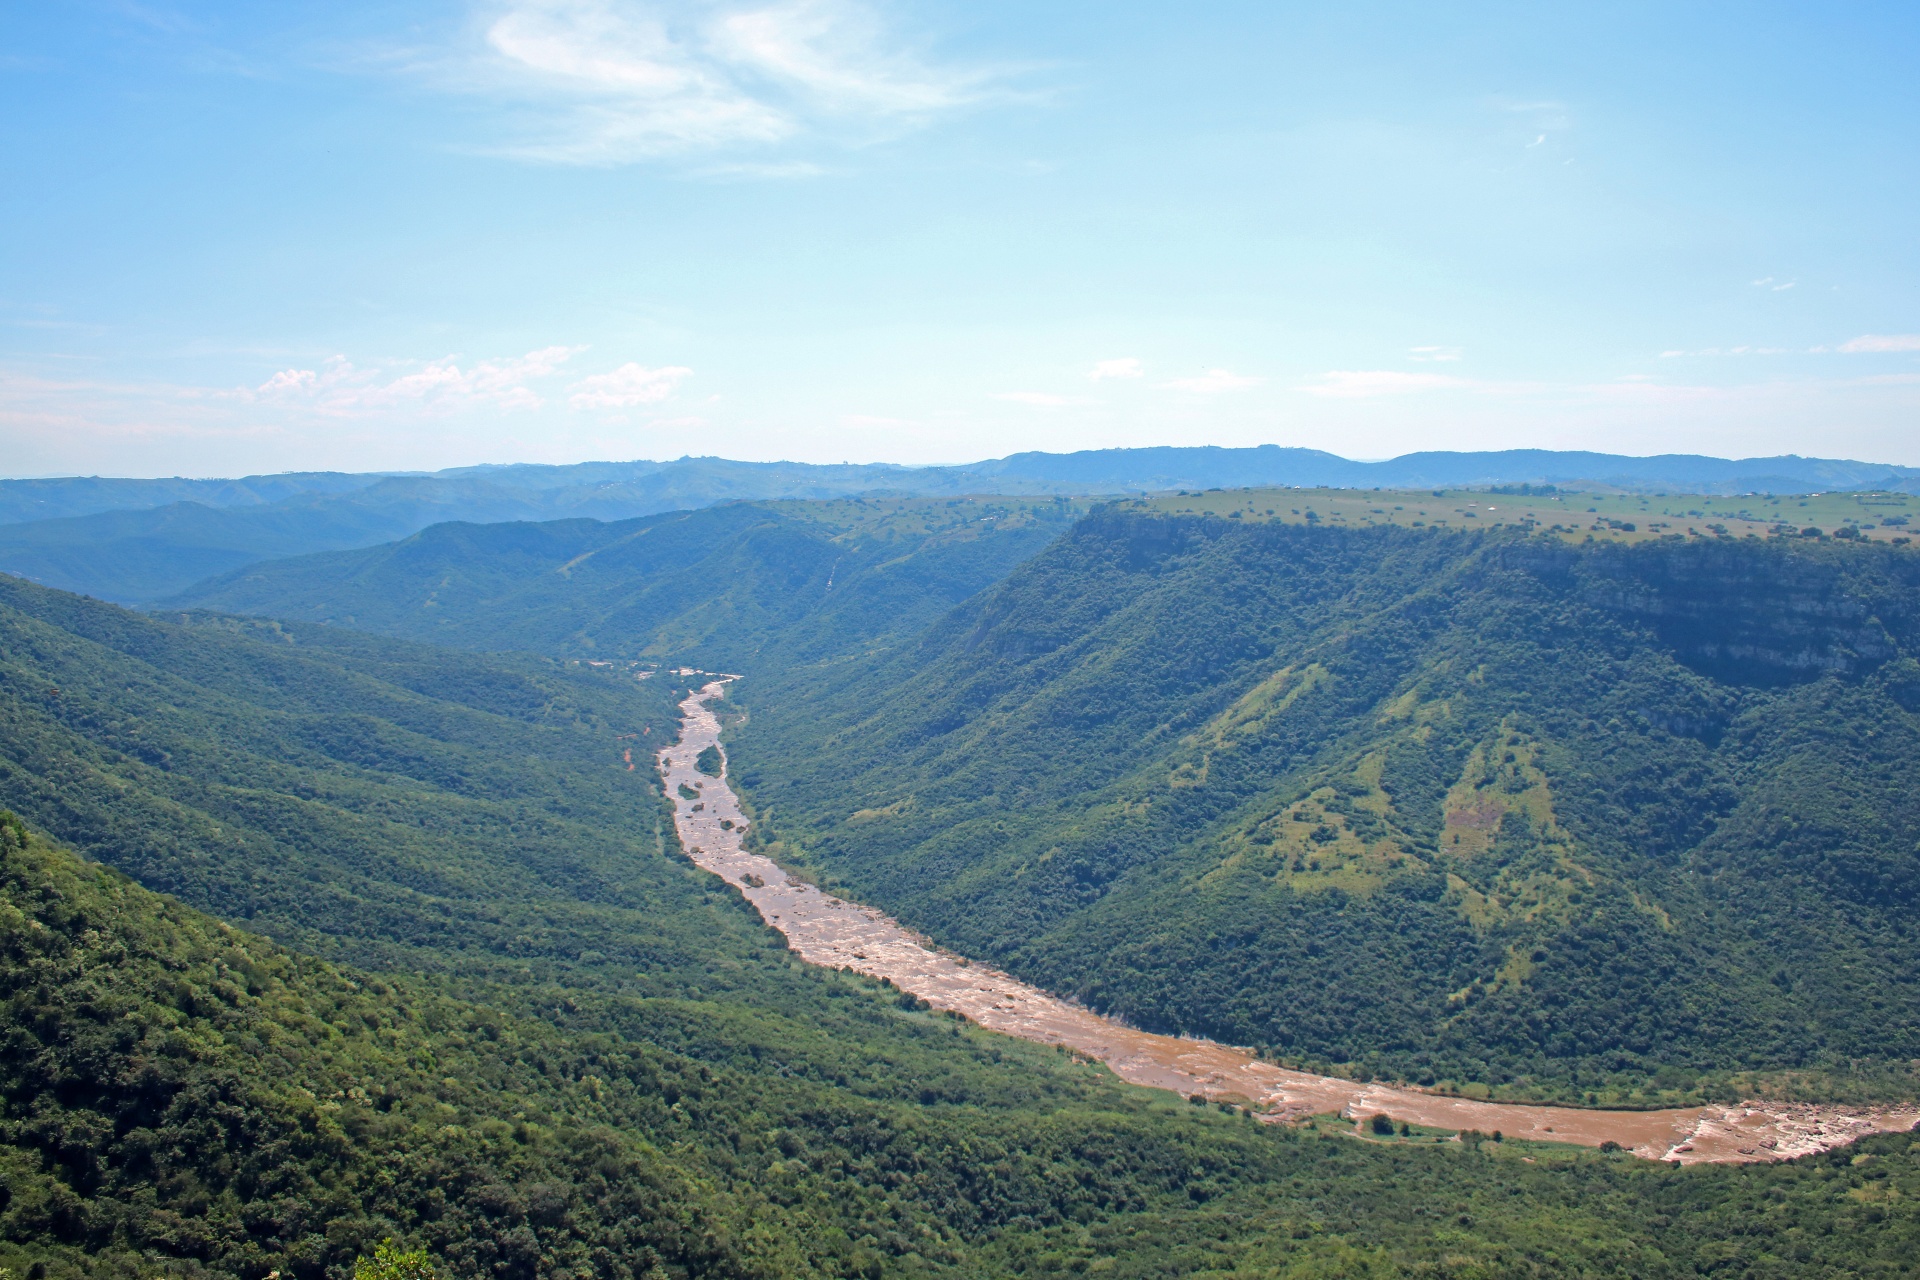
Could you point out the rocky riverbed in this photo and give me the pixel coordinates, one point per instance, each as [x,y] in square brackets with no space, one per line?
[826,930]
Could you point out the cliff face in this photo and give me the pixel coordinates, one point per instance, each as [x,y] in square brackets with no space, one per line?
[1750,612]
[1473,806]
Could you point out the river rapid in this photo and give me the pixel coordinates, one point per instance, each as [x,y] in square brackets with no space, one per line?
[825,930]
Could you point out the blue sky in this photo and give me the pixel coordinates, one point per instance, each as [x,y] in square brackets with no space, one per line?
[248,237]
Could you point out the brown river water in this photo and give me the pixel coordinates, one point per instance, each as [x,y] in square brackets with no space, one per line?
[825,930]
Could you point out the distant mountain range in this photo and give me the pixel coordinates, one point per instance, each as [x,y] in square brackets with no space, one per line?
[140,540]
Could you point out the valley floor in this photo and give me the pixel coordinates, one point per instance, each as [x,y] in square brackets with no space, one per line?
[830,931]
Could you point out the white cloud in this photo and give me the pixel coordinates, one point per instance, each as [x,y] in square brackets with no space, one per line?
[629,385]
[1881,342]
[1122,367]
[1040,399]
[1212,382]
[1358,384]
[289,382]
[1434,353]
[837,53]
[338,387]
[623,80]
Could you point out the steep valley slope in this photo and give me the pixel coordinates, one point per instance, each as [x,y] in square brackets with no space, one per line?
[1504,813]
[467,994]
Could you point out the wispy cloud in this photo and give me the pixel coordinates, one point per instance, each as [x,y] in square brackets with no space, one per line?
[1040,399]
[1213,382]
[1434,353]
[1360,384]
[1738,351]
[1773,285]
[616,81]
[1865,344]
[1881,342]
[1122,367]
[1539,123]
[627,387]
[339,387]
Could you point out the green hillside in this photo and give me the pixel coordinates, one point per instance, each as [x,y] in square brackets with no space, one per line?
[516,1028]
[1494,811]
[185,1098]
[741,585]
[1607,515]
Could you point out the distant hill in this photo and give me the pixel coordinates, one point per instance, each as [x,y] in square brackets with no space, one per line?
[740,585]
[1136,470]
[1549,817]
[139,540]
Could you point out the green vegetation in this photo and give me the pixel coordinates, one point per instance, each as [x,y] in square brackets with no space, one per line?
[742,585]
[1608,515]
[141,540]
[1498,812]
[1608,822]
[182,1097]
[389,1262]
[710,762]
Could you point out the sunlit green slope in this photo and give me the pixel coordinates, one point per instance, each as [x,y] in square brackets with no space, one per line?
[183,1098]
[1495,810]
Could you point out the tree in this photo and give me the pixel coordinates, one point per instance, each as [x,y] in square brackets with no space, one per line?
[391,1263]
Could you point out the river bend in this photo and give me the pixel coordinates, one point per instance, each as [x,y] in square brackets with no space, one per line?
[826,930]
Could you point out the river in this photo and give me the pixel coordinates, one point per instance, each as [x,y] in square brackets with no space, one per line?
[826,930]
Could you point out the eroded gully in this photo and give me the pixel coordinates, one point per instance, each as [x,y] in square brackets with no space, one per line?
[825,930]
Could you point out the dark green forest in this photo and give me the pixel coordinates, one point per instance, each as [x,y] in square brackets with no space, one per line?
[1496,812]
[182,1096]
[317,938]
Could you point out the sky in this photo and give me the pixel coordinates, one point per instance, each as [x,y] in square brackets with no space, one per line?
[246,237]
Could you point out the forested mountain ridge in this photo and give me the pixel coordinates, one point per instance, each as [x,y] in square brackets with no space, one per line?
[136,541]
[1492,810]
[813,580]
[618,490]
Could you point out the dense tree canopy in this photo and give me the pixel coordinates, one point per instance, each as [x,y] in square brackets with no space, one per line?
[1601,822]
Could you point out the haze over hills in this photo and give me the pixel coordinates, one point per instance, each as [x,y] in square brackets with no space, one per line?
[740,584]
[693,481]
[134,541]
